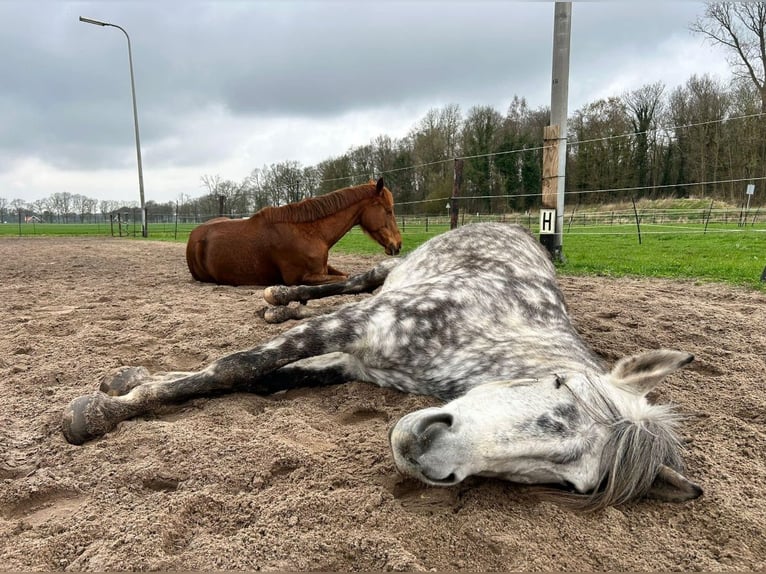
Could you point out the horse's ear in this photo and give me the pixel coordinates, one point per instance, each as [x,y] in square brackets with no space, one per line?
[641,373]
[379,186]
[672,486]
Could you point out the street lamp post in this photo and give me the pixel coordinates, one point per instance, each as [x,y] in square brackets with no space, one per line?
[144,230]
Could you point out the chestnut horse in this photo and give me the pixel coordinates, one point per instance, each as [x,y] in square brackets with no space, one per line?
[289,245]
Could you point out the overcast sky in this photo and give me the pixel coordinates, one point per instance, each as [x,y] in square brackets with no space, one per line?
[226,86]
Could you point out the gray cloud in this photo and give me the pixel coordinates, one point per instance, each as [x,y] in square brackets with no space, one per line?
[65,98]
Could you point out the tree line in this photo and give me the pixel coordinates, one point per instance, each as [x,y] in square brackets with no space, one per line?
[705,138]
[702,139]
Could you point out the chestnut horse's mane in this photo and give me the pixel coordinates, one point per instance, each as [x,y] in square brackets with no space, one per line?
[314,208]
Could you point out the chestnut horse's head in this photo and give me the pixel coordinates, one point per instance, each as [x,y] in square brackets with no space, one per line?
[379,222]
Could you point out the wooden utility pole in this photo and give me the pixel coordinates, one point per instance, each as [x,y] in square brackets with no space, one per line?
[549,187]
[554,178]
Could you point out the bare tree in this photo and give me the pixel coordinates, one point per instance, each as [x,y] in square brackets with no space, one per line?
[310,181]
[644,104]
[225,195]
[519,161]
[741,28]
[336,172]
[107,206]
[40,207]
[363,162]
[695,111]
[598,154]
[60,204]
[256,188]
[77,204]
[236,203]
[211,183]
[481,131]
[393,158]
[435,140]
[19,205]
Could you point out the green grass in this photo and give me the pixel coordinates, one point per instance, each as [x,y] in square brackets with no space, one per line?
[160,231]
[356,241]
[726,253]
[55,229]
[732,255]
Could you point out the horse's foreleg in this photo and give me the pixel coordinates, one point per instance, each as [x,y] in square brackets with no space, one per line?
[93,415]
[330,369]
[362,283]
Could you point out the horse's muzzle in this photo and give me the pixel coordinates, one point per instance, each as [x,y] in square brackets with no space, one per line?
[393,248]
[411,440]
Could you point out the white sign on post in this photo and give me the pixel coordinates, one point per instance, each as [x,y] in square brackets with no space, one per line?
[547,221]
[750,188]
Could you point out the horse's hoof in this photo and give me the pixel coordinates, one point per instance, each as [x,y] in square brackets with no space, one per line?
[84,419]
[279,314]
[124,380]
[277,295]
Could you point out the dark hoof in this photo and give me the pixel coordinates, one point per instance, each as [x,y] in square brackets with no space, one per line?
[277,295]
[279,314]
[84,419]
[124,380]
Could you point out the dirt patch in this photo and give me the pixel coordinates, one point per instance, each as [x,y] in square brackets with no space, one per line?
[304,480]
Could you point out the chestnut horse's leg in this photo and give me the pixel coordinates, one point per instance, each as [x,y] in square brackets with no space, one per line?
[93,415]
[332,276]
[332,271]
[362,283]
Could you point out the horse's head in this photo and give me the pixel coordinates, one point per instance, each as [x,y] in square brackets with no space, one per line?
[595,433]
[378,220]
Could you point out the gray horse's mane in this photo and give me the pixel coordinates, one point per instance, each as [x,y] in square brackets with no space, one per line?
[314,208]
[633,455]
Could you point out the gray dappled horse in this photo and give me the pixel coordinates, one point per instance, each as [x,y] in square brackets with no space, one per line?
[474,317]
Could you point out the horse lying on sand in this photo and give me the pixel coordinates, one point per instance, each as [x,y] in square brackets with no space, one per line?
[474,317]
[289,245]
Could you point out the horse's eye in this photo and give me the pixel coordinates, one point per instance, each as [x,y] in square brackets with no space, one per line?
[559,381]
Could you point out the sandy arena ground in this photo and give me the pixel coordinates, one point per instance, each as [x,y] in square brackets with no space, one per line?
[304,480]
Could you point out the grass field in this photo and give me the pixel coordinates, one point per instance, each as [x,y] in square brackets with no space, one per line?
[730,254]
[726,253]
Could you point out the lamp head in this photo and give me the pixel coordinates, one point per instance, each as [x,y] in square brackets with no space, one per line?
[92,21]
